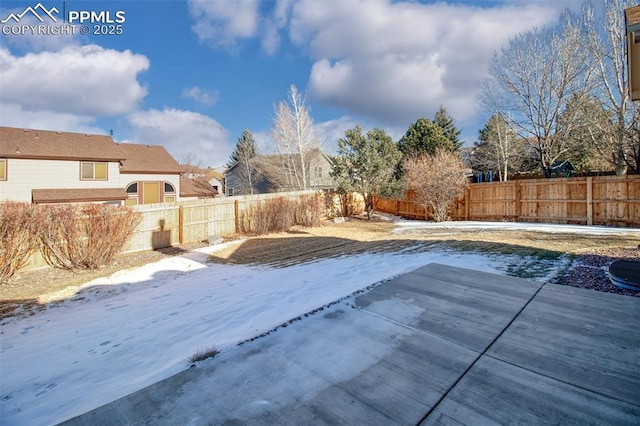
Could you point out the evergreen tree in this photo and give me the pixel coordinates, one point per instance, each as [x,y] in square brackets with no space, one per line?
[448,125]
[424,137]
[241,157]
[498,149]
[245,149]
[366,164]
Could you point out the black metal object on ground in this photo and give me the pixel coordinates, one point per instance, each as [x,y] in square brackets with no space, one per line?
[625,274]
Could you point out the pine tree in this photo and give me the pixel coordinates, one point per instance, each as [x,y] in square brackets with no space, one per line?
[241,157]
[366,164]
[423,137]
[448,125]
[245,149]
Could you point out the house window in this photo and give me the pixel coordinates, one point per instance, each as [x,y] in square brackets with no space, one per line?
[133,188]
[3,169]
[132,194]
[170,193]
[93,171]
[318,172]
[230,192]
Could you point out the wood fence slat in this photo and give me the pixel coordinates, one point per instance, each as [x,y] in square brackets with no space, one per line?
[598,200]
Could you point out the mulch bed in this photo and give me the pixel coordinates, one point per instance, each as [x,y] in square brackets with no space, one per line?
[590,270]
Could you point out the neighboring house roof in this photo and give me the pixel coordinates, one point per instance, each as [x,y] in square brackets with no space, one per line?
[41,196]
[50,145]
[213,174]
[148,159]
[198,187]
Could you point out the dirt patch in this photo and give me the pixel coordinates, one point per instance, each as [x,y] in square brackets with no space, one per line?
[356,236]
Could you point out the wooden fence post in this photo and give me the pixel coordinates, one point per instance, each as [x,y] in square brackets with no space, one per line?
[181,224]
[517,209]
[589,200]
[467,202]
[235,215]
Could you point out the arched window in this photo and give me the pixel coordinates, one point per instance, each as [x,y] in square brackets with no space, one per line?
[132,194]
[170,193]
[132,188]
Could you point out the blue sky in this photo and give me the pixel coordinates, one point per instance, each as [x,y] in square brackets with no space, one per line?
[191,75]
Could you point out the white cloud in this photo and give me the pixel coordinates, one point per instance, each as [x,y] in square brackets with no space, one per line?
[77,80]
[273,24]
[222,23]
[403,60]
[201,95]
[13,115]
[182,132]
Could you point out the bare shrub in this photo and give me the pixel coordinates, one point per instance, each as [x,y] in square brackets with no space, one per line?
[85,236]
[437,180]
[253,220]
[310,210]
[281,213]
[20,225]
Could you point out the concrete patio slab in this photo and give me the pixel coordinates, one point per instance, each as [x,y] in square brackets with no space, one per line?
[582,337]
[344,366]
[441,345]
[494,392]
[466,307]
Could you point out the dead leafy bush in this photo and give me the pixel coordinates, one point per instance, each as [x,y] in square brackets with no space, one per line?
[253,220]
[280,214]
[20,225]
[437,180]
[85,236]
[275,215]
[310,210]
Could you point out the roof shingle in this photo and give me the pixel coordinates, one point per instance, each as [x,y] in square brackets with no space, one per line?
[50,145]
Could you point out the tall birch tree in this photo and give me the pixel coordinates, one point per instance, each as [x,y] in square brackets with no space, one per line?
[294,138]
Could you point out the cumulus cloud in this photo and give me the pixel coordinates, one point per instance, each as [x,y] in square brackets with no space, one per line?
[77,80]
[273,24]
[182,132]
[222,23]
[403,60]
[200,95]
[14,116]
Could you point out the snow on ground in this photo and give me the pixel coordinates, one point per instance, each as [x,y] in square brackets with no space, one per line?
[136,327]
[411,226]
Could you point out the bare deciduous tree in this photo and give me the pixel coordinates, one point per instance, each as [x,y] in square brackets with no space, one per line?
[294,137]
[605,43]
[192,165]
[437,181]
[530,82]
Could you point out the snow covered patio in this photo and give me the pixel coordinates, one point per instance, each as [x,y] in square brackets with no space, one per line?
[441,344]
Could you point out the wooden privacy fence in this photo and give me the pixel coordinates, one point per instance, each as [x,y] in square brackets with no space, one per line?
[599,200]
[165,224]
